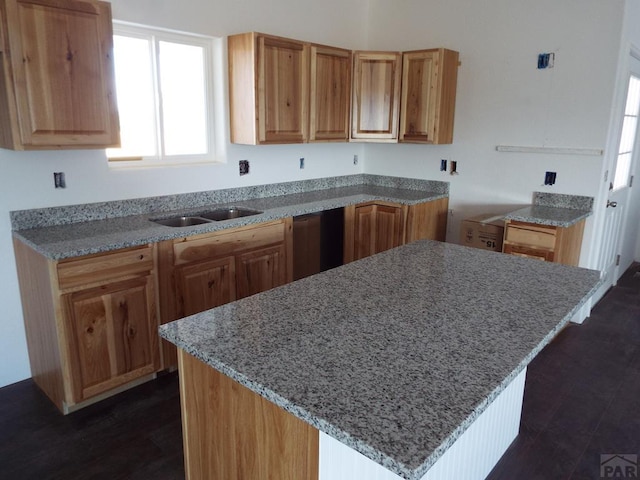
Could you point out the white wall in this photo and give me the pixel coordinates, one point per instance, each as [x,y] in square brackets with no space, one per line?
[504,100]
[27,177]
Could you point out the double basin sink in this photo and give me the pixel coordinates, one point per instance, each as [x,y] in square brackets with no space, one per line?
[217,215]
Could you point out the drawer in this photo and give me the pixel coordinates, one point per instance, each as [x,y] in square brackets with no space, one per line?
[533,235]
[528,252]
[228,242]
[104,267]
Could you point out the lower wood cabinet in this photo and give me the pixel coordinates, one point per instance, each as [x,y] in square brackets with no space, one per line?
[374,227]
[544,242]
[91,322]
[205,271]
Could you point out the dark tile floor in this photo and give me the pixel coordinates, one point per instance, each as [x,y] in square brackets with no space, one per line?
[582,395]
[582,399]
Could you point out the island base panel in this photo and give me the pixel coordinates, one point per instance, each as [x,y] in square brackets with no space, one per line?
[471,457]
[231,433]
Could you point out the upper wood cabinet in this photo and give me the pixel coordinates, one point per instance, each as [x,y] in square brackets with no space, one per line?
[57,87]
[287,91]
[429,79]
[330,94]
[376,96]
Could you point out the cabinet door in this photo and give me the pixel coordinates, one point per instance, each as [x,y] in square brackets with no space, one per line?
[61,57]
[429,79]
[330,94]
[375,228]
[376,96]
[205,285]
[427,220]
[283,78]
[260,270]
[112,333]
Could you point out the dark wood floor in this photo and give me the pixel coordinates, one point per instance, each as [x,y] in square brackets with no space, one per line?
[582,399]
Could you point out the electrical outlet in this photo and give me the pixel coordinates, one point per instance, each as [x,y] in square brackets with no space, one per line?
[549,178]
[443,165]
[59,180]
[301,163]
[244,167]
[546,60]
[355,159]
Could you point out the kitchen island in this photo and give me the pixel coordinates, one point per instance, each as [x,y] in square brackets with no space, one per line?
[392,357]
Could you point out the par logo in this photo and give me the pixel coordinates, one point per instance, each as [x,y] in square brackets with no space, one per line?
[617,465]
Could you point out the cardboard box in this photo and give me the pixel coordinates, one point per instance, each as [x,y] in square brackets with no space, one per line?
[483,231]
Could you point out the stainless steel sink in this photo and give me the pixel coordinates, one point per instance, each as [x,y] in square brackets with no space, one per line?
[228,213]
[180,221]
[209,216]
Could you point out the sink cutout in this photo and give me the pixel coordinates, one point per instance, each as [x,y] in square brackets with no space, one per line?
[181,221]
[217,215]
[229,213]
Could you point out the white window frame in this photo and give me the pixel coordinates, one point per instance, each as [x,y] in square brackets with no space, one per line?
[209,45]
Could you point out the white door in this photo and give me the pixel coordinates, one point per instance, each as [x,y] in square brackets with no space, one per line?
[621,219]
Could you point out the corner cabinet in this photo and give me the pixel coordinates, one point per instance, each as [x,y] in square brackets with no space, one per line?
[208,270]
[374,227]
[429,80]
[58,88]
[91,322]
[376,96]
[286,91]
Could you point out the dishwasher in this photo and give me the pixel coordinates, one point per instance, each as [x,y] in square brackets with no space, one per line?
[317,242]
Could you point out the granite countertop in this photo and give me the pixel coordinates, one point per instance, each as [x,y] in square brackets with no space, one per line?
[553,216]
[554,209]
[59,241]
[397,354]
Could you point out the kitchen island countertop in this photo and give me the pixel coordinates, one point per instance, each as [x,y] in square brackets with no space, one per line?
[394,355]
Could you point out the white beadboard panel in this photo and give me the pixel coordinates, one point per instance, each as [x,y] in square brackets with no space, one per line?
[471,457]
[478,449]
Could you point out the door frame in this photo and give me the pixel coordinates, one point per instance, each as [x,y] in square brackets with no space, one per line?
[608,164]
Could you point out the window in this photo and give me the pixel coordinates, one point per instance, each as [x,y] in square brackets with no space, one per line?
[165,97]
[628,136]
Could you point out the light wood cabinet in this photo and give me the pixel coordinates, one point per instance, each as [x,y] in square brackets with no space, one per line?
[374,227]
[205,271]
[330,94]
[91,322]
[376,96]
[417,87]
[57,87]
[544,242]
[287,91]
[427,107]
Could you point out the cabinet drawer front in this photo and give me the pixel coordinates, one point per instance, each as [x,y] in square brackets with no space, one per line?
[536,236]
[104,267]
[228,242]
[527,252]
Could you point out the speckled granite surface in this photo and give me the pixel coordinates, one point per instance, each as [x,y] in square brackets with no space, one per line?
[558,200]
[397,354]
[554,209]
[47,217]
[543,215]
[109,230]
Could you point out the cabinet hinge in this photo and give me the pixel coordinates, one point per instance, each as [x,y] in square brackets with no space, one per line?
[617,260]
